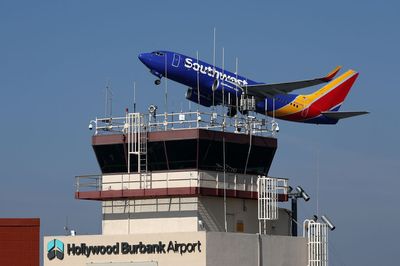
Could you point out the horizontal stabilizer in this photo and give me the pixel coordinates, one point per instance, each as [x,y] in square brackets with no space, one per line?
[341,115]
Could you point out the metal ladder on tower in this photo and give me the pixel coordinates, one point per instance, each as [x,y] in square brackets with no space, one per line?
[267,201]
[137,145]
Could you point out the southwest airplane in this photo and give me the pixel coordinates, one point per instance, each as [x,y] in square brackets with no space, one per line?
[210,85]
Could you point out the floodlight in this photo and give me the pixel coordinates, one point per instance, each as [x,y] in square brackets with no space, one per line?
[275,127]
[153,110]
[303,194]
[294,195]
[91,123]
[201,225]
[328,222]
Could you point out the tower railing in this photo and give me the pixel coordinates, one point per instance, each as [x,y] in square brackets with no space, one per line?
[185,120]
[207,179]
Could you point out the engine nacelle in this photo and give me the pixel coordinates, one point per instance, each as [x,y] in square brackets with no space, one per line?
[192,95]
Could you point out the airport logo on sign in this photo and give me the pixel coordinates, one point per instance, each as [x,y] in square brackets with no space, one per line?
[55,248]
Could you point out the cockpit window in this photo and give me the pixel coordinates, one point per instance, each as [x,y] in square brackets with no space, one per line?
[158,53]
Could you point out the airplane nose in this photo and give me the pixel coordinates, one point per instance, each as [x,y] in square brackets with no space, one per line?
[144,58]
[141,56]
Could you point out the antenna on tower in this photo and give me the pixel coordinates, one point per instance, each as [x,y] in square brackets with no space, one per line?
[223,69]
[236,92]
[68,231]
[134,97]
[223,141]
[108,100]
[66,228]
[166,83]
[198,83]
[213,89]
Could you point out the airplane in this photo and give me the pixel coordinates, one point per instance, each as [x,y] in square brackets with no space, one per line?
[210,86]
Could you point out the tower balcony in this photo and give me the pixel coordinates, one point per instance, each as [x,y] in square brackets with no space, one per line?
[185,183]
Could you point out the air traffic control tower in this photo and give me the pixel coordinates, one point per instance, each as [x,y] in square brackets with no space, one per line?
[188,189]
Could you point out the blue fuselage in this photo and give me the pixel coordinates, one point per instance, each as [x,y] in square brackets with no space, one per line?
[213,82]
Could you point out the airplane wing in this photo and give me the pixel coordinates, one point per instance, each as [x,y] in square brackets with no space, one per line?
[264,90]
[341,115]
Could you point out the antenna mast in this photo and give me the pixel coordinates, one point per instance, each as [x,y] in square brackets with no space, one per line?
[66,227]
[134,97]
[236,91]
[108,100]
[223,69]
[213,92]
[166,84]
[223,142]
[198,83]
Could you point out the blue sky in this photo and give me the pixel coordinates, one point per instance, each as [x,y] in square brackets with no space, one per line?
[57,56]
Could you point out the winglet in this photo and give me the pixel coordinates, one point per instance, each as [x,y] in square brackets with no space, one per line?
[332,74]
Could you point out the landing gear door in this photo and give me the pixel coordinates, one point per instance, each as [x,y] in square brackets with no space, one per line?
[176,60]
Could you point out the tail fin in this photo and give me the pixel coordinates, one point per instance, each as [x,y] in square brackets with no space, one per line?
[331,96]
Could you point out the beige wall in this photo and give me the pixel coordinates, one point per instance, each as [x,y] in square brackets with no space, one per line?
[150,216]
[150,225]
[217,248]
[255,250]
[282,251]
[211,212]
[231,249]
[183,215]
